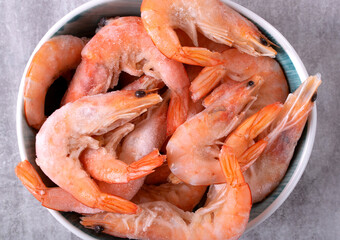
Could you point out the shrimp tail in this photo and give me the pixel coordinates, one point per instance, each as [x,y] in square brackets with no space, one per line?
[252,154]
[30,179]
[116,204]
[231,167]
[207,80]
[198,56]
[146,165]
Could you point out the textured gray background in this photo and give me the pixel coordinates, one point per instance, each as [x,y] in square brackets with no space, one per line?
[312,211]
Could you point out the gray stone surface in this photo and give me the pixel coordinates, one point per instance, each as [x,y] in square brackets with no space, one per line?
[312,211]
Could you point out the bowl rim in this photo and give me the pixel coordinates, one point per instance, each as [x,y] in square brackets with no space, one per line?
[301,71]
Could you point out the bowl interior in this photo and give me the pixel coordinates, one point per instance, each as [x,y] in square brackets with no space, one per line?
[83,21]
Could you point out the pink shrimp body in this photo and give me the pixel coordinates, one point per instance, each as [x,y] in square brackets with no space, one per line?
[239,67]
[213,19]
[67,132]
[124,45]
[55,57]
[224,216]
[282,136]
[192,150]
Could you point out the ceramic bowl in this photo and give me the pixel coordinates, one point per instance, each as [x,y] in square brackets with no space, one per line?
[83,21]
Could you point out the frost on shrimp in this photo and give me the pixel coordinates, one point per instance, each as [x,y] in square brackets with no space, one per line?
[124,45]
[54,58]
[213,19]
[224,216]
[282,136]
[67,132]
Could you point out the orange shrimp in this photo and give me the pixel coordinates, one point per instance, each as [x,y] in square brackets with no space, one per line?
[67,132]
[241,140]
[124,45]
[282,136]
[55,57]
[224,216]
[192,150]
[239,67]
[213,19]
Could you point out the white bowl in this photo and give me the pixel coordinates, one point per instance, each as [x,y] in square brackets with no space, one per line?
[82,22]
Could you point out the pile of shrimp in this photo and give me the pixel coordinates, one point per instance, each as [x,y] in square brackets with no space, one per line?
[173,123]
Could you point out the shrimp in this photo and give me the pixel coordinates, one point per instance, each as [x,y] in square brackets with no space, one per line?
[183,196]
[224,216]
[54,198]
[192,150]
[282,136]
[67,132]
[213,19]
[239,67]
[55,57]
[124,45]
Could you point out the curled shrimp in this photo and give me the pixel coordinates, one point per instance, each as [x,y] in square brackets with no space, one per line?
[55,57]
[239,67]
[224,216]
[67,132]
[213,19]
[192,151]
[282,136]
[124,45]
